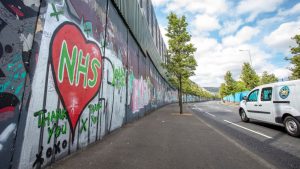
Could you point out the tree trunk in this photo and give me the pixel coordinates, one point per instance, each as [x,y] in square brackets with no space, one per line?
[180,94]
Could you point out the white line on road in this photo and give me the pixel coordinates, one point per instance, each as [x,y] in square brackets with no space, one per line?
[248,129]
[199,109]
[210,114]
[247,151]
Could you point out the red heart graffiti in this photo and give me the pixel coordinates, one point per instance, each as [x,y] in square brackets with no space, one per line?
[76,67]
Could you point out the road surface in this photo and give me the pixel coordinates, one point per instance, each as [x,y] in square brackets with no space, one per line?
[269,142]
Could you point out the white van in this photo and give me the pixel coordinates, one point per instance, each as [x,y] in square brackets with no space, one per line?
[276,103]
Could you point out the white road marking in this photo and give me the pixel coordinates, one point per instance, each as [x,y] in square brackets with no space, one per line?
[248,129]
[210,114]
[250,153]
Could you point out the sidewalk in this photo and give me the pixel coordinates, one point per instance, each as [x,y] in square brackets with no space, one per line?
[162,140]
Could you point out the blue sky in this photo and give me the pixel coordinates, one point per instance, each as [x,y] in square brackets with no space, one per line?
[220,29]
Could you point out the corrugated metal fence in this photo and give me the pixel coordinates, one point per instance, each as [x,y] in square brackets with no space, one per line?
[236,97]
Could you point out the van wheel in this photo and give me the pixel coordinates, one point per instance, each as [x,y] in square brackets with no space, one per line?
[243,115]
[292,126]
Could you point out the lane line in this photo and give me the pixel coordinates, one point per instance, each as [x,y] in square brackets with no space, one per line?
[210,114]
[248,129]
[244,149]
[204,111]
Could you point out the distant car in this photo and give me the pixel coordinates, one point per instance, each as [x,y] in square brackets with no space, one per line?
[276,103]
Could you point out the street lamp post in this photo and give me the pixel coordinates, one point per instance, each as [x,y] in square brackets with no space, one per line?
[249,53]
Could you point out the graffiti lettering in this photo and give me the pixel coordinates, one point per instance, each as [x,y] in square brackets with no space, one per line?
[95,107]
[141,93]
[39,159]
[84,125]
[65,62]
[57,148]
[119,78]
[94,118]
[58,130]
[15,75]
[55,13]
[50,117]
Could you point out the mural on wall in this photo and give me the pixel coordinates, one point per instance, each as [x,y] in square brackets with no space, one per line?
[76,64]
[66,105]
[68,77]
[17,24]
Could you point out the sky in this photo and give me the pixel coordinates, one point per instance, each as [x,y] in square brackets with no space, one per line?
[225,32]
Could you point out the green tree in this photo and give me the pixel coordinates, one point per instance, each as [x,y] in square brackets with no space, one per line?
[181,63]
[223,90]
[230,83]
[295,60]
[268,78]
[240,86]
[249,76]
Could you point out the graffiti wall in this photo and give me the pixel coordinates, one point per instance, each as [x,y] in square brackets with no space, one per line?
[17,26]
[70,73]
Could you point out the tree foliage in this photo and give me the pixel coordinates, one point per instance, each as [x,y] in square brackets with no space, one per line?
[268,78]
[190,87]
[180,52]
[230,83]
[181,62]
[249,76]
[223,90]
[240,86]
[295,60]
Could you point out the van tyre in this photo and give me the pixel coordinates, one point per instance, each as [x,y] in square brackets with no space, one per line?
[292,126]
[243,115]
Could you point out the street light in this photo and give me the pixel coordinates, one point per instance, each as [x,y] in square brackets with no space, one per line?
[248,50]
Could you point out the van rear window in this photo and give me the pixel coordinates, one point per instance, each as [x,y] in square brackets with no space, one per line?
[266,94]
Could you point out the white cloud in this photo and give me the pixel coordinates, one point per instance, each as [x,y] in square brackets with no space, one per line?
[294,10]
[281,16]
[213,64]
[280,39]
[215,56]
[255,7]
[159,2]
[281,73]
[205,23]
[204,44]
[229,27]
[243,35]
[200,6]
[163,32]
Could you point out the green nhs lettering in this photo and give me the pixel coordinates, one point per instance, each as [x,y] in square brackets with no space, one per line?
[76,66]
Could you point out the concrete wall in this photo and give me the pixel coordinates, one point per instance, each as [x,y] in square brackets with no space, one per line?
[70,73]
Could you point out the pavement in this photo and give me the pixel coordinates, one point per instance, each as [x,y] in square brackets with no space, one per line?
[165,140]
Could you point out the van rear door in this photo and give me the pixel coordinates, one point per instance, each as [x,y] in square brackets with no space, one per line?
[266,108]
[284,100]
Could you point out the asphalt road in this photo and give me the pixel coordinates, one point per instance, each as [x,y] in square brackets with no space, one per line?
[269,142]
